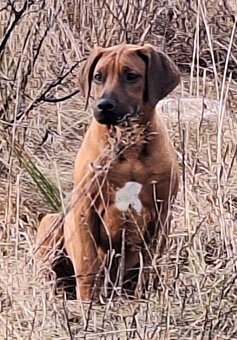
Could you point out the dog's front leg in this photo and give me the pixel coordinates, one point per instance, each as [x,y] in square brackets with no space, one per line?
[81,246]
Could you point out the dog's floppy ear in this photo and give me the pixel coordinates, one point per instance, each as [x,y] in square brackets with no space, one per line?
[162,76]
[86,73]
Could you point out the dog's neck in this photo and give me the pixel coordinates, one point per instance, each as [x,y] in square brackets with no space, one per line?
[128,139]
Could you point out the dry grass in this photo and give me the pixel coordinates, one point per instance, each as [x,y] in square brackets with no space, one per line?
[198,297]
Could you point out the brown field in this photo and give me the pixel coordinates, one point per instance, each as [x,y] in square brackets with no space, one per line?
[42,123]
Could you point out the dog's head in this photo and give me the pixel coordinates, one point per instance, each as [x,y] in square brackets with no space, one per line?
[125,79]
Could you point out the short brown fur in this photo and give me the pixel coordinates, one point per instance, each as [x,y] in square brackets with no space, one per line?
[94,225]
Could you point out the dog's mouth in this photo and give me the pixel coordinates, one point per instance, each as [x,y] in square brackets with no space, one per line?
[107,118]
[116,119]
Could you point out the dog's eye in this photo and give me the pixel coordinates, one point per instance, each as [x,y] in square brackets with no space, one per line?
[132,77]
[98,78]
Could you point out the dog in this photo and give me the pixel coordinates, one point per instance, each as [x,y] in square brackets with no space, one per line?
[126,173]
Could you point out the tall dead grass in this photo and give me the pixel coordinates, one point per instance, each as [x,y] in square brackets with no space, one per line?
[41,113]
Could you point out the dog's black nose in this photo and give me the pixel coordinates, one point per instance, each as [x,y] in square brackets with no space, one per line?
[106,105]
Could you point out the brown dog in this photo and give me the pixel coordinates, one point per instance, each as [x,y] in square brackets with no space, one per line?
[126,173]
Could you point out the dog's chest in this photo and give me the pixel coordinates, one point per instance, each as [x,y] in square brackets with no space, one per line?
[129,185]
[126,205]
[128,200]
[128,170]
[129,197]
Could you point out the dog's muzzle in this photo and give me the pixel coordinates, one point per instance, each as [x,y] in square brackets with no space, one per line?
[106,112]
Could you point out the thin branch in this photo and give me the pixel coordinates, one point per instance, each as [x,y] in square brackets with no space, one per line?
[58,100]
[18,15]
[43,96]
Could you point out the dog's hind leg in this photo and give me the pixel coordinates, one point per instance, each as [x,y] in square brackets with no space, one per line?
[49,234]
[50,243]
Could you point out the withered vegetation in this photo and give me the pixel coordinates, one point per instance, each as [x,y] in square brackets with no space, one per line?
[42,123]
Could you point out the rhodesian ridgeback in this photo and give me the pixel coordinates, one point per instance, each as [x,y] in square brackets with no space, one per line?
[126,173]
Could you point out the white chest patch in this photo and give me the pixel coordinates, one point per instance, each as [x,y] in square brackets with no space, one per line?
[128,196]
